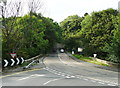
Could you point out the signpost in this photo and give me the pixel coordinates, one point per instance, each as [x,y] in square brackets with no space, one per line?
[73,52]
[13,55]
[12,62]
[95,55]
[6,63]
[80,49]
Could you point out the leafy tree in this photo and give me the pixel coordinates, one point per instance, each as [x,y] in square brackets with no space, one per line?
[33,33]
[99,30]
[113,47]
[53,33]
[71,25]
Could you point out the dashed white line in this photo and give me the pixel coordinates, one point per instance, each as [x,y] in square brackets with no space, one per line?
[101,82]
[68,77]
[93,81]
[72,76]
[111,85]
[77,76]
[85,79]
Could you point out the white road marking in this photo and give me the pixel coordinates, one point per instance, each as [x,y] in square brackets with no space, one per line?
[80,77]
[101,82]
[98,80]
[93,81]
[111,85]
[35,75]
[50,81]
[24,78]
[61,60]
[68,77]
[58,74]
[85,79]
[72,76]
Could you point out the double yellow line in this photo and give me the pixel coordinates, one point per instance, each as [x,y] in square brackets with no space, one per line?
[19,73]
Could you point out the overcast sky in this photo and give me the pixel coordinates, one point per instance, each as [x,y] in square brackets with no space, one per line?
[60,9]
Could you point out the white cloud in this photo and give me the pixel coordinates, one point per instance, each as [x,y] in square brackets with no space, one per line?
[60,9]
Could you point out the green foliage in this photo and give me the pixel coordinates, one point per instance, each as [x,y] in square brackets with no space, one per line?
[93,33]
[31,35]
[88,59]
[53,33]
[71,26]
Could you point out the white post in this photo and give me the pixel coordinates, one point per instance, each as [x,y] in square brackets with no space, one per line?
[95,55]
[73,52]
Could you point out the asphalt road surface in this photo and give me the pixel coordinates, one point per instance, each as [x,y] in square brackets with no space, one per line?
[61,70]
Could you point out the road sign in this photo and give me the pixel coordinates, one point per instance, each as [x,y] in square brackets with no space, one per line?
[12,62]
[73,52]
[18,61]
[6,63]
[94,55]
[22,60]
[80,49]
[13,55]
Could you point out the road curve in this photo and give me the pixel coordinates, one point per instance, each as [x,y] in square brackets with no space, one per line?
[61,70]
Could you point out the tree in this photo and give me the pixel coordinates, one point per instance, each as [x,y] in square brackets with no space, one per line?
[53,33]
[71,26]
[9,12]
[34,6]
[113,48]
[32,29]
[99,30]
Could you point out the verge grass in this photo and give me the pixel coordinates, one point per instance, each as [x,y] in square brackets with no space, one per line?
[90,60]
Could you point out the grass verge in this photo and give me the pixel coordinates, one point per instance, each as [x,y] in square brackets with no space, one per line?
[90,60]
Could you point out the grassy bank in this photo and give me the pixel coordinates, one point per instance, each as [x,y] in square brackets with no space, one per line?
[90,60]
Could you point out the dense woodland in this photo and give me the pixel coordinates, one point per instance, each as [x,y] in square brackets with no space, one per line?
[30,36]
[97,32]
[34,34]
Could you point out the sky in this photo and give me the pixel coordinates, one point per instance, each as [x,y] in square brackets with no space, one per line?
[61,9]
[58,10]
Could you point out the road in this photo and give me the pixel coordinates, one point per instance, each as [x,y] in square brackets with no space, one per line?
[61,70]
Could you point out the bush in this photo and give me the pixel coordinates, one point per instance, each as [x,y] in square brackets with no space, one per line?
[113,58]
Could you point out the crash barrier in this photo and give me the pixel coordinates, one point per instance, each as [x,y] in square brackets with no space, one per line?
[33,60]
[12,62]
[18,61]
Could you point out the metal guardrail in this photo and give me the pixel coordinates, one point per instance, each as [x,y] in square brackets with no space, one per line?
[33,58]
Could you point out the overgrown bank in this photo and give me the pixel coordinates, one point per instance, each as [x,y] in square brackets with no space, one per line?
[97,32]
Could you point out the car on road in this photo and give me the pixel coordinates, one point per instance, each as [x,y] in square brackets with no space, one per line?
[62,50]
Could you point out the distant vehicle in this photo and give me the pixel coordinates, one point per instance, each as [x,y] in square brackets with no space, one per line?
[62,50]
